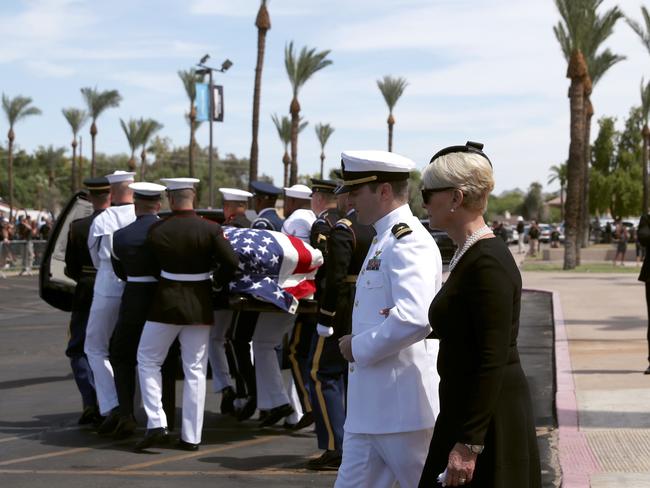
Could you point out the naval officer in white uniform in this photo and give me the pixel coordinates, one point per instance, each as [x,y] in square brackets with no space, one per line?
[392,389]
[107,293]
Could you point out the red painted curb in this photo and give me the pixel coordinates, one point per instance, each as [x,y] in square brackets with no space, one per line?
[577,460]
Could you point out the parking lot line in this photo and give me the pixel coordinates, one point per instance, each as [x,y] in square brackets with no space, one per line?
[59,453]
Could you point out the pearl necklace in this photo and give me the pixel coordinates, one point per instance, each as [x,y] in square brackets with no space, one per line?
[469,242]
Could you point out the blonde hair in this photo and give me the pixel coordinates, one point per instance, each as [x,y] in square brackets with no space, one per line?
[470,173]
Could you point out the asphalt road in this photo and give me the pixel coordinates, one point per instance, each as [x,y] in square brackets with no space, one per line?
[42,446]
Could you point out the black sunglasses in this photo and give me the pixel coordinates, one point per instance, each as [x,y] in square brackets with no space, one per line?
[469,147]
[427,192]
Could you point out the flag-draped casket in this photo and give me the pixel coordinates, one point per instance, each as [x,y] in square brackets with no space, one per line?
[273,267]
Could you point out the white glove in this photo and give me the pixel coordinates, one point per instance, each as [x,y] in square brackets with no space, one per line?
[324,331]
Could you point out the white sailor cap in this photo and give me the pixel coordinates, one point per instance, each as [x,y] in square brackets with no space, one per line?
[179,183]
[361,167]
[298,191]
[235,195]
[120,176]
[147,191]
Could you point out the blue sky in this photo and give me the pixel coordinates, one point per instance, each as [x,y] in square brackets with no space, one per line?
[485,70]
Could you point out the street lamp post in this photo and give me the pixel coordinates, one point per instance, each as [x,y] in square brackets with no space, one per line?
[207,70]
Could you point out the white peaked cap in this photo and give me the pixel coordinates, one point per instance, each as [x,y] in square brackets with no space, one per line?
[120,176]
[179,183]
[235,195]
[376,161]
[147,190]
[298,191]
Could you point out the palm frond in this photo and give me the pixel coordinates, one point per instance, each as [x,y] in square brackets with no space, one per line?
[76,118]
[559,174]
[147,129]
[642,31]
[283,126]
[189,78]
[600,64]
[132,132]
[392,89]
[18,108]
[98,101]
[301,68]
[323,133]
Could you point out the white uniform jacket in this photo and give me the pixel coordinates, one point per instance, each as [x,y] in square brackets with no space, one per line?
[393,383]
[100,245]
[299,224]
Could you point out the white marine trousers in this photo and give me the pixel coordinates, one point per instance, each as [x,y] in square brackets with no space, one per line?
[101,324]
[270,328]
[154,344]
[217,350]
[378,460]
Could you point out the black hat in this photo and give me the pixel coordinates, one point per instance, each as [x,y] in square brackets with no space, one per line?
[97,185]
[323,186]
[263,188]
[469,147]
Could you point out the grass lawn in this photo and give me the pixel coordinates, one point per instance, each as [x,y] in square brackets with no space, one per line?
[538,265]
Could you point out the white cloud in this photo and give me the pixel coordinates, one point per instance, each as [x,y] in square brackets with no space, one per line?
[47,69]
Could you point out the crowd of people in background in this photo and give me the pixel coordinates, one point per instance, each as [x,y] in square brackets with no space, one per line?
[26,230]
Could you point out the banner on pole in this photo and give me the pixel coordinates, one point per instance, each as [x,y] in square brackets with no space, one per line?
[217,116]
[202,102]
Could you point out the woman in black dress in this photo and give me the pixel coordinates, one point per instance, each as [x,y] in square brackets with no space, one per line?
[485,434]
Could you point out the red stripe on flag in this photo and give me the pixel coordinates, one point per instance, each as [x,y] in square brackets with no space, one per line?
[303,289]
[304,256]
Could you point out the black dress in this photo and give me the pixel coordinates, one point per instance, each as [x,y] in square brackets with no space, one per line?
[484,396]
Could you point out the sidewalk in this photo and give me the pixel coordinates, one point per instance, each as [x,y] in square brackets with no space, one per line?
[603,399]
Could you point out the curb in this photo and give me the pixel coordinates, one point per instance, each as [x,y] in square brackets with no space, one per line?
[577,460]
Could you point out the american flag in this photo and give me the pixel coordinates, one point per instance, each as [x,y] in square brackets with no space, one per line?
[273,267]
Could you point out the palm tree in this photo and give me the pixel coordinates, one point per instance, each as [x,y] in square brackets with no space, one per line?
[323,132]
[645,113]
[299,69]
[132,132]
[97,102]
[392,89]
[189,79]
[558,173]
[263,24]
[15,109]
[76,118]
[586,30]
[148,128]
[283,127]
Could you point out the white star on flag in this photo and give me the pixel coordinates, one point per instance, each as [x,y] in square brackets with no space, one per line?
[255,286]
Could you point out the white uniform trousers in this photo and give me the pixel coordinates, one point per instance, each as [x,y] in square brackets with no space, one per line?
[217,350]
[152,351]
[378,460]
[268,334]
[101,324]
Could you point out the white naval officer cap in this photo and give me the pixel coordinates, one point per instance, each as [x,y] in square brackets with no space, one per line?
[298,191]
[119,176]
[235,195]
[147,191]
[361,167]
[179,183]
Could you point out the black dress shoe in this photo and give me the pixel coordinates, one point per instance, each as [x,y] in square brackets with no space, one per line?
[276,414]
[125,428]
[305,421]
[328,461]
[248,410]
[157,436]
[647,371]
[228,396]
[186,446]
[110,423]
[90,415]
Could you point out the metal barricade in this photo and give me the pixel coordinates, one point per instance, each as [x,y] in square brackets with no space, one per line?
[20,255]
